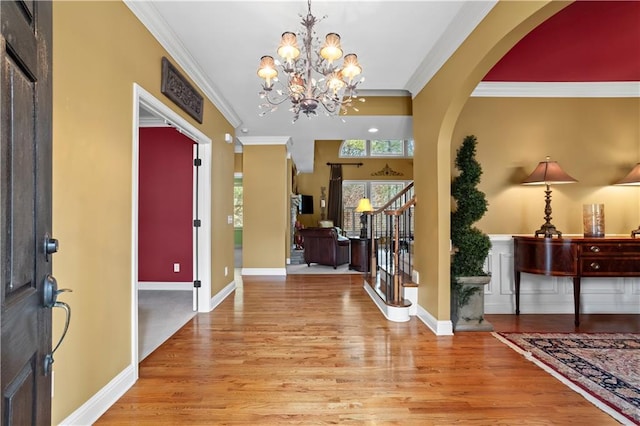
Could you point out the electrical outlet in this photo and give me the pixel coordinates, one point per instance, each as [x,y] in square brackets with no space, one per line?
[226,271]
[230,219]
[176,267]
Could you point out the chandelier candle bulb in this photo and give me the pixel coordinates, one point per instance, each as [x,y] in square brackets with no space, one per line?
[331,50]
[288,49]
[267,69]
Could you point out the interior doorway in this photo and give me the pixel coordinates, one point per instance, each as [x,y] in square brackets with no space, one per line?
[174,306]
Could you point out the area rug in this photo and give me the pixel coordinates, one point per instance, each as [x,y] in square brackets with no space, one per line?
[602,367]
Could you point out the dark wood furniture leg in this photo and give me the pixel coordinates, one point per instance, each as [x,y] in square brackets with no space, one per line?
[517,279]
[576,300]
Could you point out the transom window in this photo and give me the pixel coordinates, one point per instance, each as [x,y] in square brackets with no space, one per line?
[359,148]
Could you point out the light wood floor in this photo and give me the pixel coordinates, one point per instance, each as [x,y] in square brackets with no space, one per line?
[315,350]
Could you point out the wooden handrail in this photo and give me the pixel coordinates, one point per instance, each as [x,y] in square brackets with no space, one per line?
[401,210]
[391,201]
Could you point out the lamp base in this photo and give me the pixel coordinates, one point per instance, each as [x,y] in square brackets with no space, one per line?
[548,230]
[363,233]
[635,232]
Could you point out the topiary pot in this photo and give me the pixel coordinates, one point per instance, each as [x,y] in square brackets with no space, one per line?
[467,304]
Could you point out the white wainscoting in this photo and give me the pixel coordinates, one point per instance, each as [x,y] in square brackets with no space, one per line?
[540,294]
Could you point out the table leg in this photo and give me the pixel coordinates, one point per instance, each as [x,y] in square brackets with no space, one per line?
[576,300]
[517,280]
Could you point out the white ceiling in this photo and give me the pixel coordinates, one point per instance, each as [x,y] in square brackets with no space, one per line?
[400,45]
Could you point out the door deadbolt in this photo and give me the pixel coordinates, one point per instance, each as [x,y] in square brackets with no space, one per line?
[50,246]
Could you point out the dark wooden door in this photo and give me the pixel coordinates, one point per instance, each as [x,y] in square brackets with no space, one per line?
[25,210]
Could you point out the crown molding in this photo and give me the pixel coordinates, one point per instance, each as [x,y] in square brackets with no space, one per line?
[149,16]
[615,89]
[264,140]
[465,21]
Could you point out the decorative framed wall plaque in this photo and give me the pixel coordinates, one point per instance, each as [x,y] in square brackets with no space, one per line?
[176,87]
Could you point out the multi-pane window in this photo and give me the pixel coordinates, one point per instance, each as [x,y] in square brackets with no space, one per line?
[377,148]
[237,203]
[379,192]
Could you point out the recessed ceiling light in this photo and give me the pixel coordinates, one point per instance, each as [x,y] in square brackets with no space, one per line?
[373,130]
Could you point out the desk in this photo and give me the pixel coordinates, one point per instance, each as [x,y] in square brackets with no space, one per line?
[360,254]
[575,257]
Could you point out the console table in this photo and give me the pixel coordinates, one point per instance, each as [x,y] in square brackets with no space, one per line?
[575,257]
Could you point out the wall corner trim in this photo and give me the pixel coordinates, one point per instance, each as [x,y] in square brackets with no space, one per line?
[439,328]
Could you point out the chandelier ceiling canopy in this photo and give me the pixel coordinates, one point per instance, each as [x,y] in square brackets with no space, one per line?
[312,78]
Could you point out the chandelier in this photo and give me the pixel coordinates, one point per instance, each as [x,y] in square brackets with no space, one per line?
[313,80]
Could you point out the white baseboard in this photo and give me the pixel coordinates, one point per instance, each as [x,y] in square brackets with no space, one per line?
[98,404]
[411,294]
[264,271]
[439,328]
[151,285]
[221,295]
[392,313]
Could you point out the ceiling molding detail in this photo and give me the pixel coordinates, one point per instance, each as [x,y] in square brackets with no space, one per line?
[148,15]
[466,20]
[264,140]
[616,89]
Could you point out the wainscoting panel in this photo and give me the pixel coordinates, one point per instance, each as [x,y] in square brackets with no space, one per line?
[553,295]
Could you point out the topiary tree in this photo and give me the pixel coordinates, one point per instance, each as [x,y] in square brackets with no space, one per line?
[471,246]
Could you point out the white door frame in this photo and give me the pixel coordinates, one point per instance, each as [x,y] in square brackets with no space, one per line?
[167,116]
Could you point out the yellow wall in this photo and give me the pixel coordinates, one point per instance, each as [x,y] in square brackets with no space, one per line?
[436,109]
[266,204]
[100,49]
[326,151]
[596,141]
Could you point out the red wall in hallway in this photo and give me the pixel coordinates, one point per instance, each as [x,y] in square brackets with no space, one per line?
[585,41]
[165,209]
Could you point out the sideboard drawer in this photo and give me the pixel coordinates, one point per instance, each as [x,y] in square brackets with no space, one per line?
[594,266]
[595,248]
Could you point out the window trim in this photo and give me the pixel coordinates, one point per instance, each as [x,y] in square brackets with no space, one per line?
[369,154]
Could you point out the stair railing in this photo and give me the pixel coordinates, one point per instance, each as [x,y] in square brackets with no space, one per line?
[391,235]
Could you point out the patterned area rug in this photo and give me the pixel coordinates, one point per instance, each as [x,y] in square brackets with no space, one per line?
[603,367]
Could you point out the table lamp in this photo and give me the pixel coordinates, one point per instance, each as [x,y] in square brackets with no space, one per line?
[633,178]
[547,173]
[364,205]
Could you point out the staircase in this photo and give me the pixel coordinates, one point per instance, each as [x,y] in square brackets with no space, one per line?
[391,233]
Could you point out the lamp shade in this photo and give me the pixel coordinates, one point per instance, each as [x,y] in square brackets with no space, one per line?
[267,69]
[548,172]
[633,178]
[364,205]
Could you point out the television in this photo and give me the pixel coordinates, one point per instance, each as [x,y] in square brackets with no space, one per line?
[306,204]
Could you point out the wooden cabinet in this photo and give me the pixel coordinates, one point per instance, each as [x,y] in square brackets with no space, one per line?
[575,257]
[360,254]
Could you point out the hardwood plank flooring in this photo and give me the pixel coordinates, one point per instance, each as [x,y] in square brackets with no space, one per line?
[315,350]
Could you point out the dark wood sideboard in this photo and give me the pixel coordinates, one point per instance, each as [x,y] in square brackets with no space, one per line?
[575,257]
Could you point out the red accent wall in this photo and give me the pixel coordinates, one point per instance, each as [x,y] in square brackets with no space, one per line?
[165,209]
[585,41]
